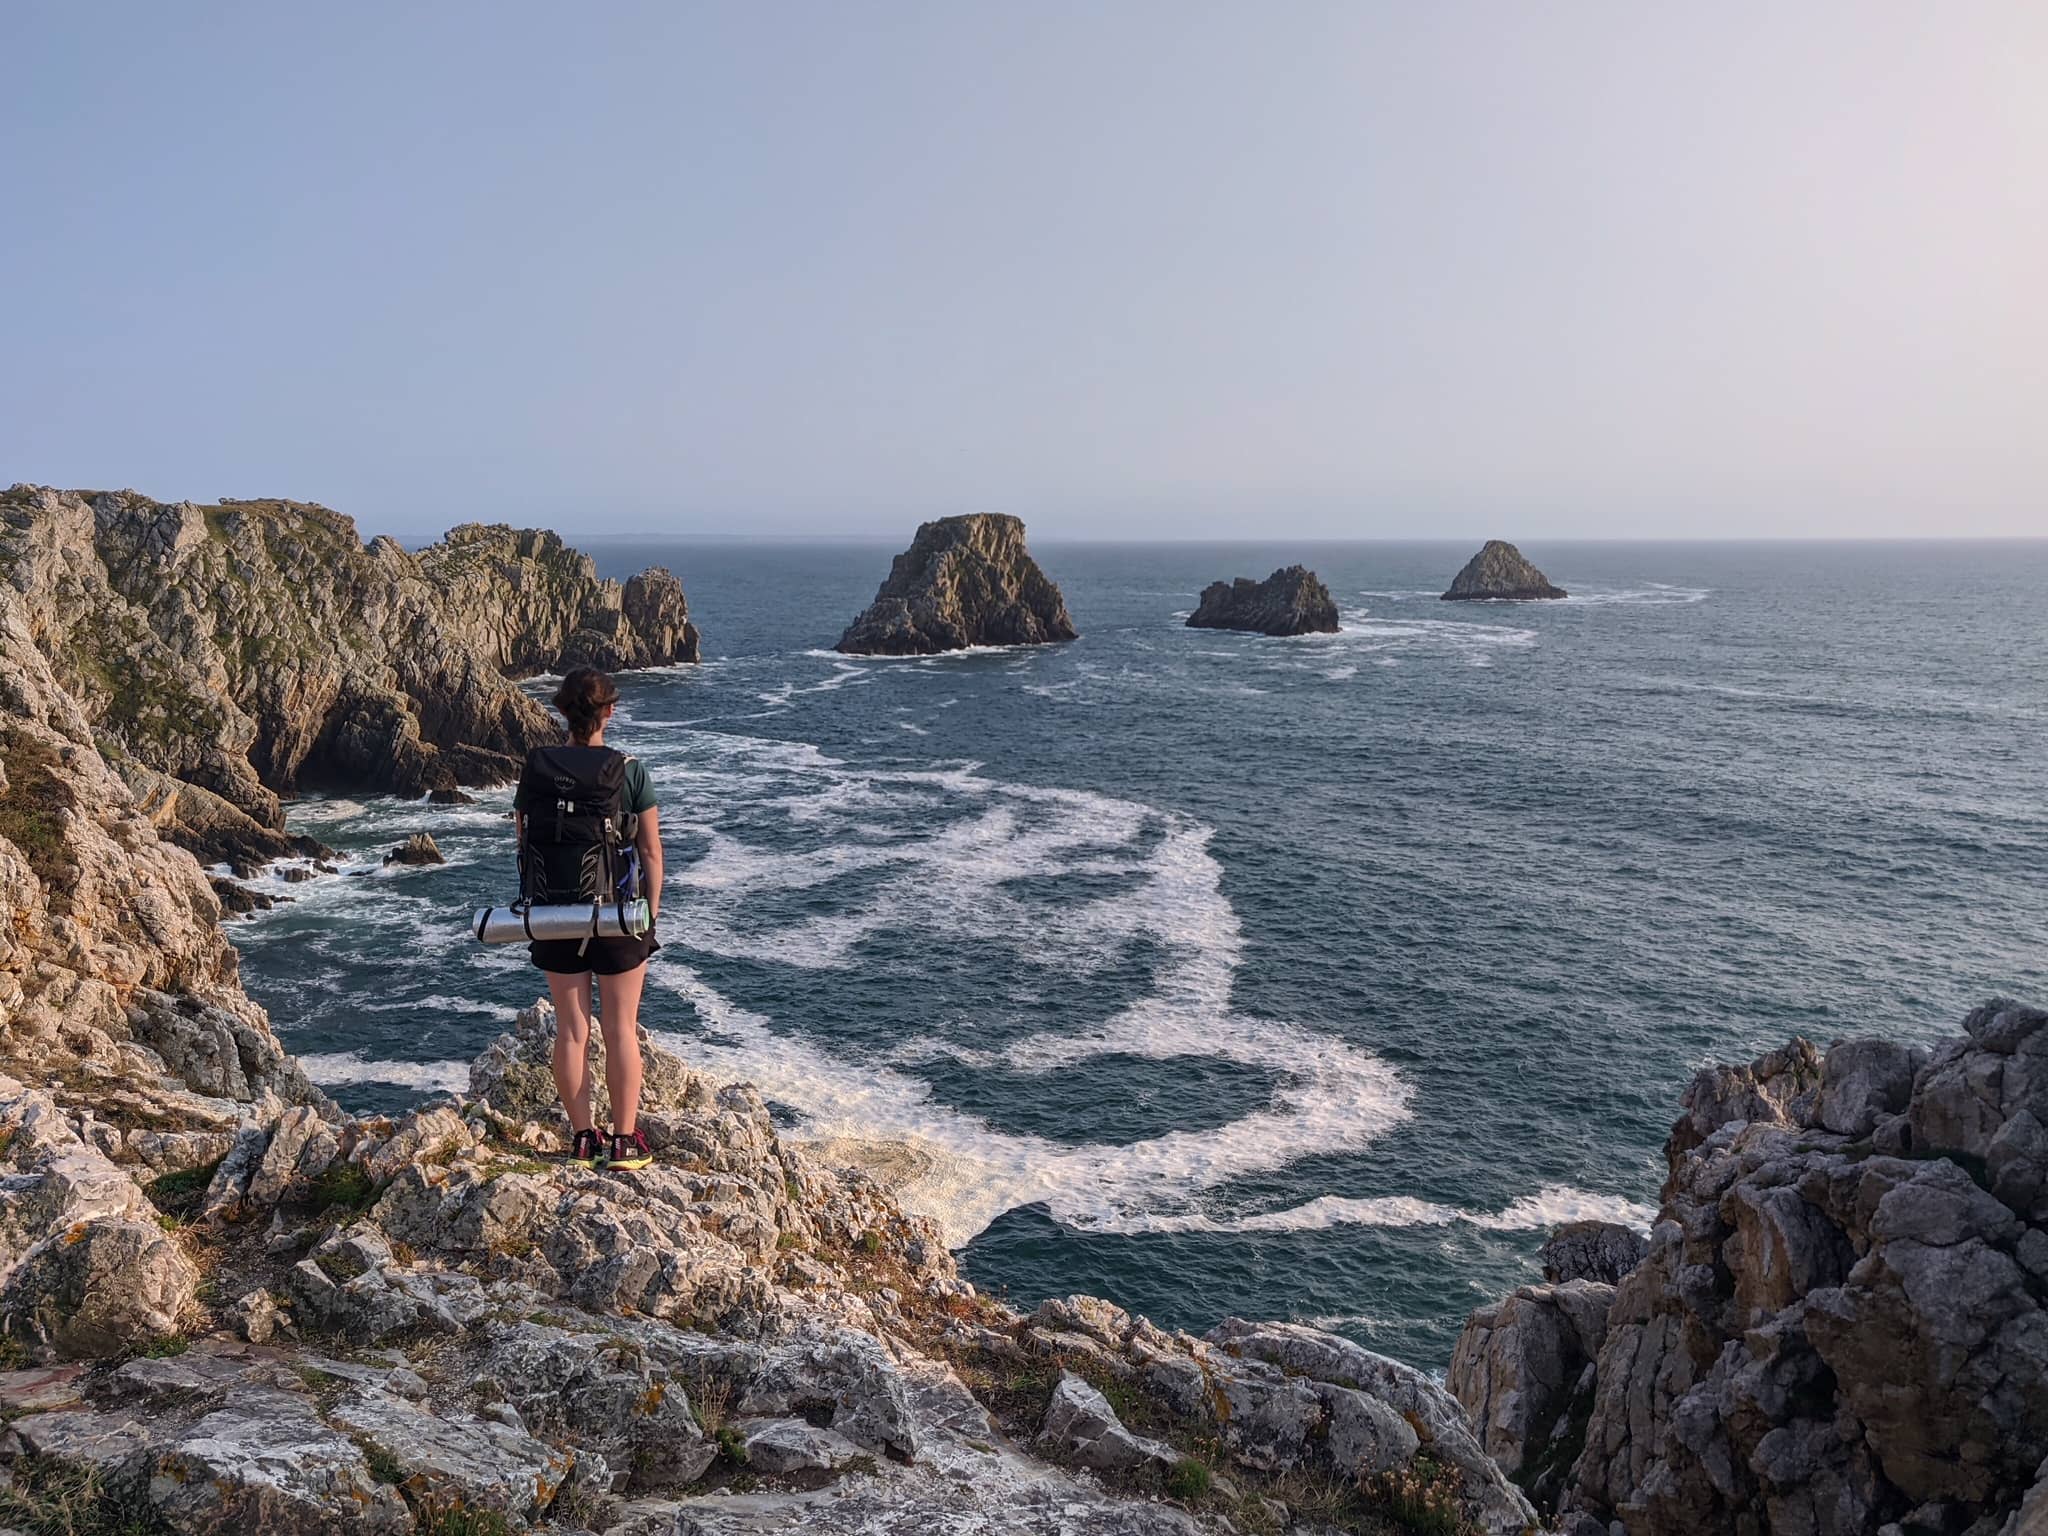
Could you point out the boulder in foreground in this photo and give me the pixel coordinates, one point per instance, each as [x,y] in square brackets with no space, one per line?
[1841,1322]
[1291,601]
[964,581]
[1499,572]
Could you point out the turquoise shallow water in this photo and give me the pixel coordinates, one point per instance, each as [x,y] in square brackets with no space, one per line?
[1304,978]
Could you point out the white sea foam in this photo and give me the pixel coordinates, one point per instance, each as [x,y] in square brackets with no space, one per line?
[336,1068]
[1548,1207]
[440,1002]
[955,872]
[1655,594]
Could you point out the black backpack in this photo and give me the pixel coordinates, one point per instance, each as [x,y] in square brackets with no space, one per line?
[579,840]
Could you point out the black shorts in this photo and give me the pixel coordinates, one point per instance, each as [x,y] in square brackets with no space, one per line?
[602,957]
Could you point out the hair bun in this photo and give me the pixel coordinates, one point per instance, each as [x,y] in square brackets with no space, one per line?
[584,696]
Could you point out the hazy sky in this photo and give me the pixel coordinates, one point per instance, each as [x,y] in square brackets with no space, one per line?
[1124,268]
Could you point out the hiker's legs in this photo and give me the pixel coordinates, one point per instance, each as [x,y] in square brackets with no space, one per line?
[572,1045]
[620,1018]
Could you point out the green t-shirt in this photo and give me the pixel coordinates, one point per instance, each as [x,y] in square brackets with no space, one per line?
[638,793]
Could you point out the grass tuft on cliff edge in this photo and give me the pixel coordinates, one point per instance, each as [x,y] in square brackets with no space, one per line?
[32,811]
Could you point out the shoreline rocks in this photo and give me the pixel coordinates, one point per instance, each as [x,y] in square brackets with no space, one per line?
[964,581]
[418,849]
[1291,601]
[1499,573]
[1841,1322]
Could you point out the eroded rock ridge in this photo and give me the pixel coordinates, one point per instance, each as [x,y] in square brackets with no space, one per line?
[222,656]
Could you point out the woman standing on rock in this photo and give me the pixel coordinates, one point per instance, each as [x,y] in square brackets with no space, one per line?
[586,816]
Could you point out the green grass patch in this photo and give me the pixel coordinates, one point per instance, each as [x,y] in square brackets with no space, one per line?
[1189,1479]
[1422,1497]
[167,1347]
[180,1194]
[50,1498]
[451,1517]
[32,812]
[343,1185]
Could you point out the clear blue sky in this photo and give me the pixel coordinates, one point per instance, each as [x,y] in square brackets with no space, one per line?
[1122,267]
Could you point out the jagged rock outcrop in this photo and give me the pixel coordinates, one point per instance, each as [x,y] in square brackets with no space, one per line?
[1841,1325]
[964,581]
[224,655]
[420,848]
[1499,572]
[1291,601]
[116,980]
[1603,1251]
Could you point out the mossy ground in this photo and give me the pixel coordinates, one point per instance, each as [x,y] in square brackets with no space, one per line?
[32,811]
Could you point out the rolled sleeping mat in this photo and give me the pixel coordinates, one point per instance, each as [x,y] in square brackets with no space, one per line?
[515,925]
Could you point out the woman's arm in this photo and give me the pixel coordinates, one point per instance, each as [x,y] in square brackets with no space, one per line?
[648,840]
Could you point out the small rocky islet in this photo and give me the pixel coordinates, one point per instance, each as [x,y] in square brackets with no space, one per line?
[228,1305]
[1291,601]
[965,581]
[1499,573]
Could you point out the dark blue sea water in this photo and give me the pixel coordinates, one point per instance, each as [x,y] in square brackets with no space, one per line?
[1305,978]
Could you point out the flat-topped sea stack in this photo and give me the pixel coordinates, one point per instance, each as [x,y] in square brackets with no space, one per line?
[1291,601]
[1499,573]
[964,581]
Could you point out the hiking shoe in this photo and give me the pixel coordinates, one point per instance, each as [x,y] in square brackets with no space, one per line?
[587,1149]
[628,1149]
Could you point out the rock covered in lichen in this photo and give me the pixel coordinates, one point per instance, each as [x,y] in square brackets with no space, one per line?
[964,581]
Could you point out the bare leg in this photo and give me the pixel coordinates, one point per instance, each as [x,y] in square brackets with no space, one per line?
[572,1045]
[621,1022]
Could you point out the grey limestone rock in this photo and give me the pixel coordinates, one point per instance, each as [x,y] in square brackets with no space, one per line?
[1519,1362]
[471,1461]
[1827,1336]
[1499,572]
[1080,1427]
[1601,1251]
[1291,601]
[267,1462]
[964,581]
[780,1446]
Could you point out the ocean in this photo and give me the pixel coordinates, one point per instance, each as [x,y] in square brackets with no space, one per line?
[1309,978]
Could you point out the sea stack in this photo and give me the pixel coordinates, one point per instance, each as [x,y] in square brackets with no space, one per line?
[964,581]
[1291,601]
[1499,572]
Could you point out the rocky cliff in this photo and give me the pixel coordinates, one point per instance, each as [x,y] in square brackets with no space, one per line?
[963,581]
[1841,1324]
[227,1306]
[1499,572]
[224,655]
[1291,601]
